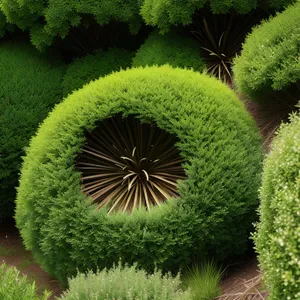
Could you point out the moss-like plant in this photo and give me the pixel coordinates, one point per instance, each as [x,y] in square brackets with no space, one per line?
[30,87]
[169,49]
[125,283]
[278,237]
[213,214]
[93,66]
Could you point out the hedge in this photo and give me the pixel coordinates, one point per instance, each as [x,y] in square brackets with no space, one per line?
[222,150]
[30,86]
[270,56]
[125,284]
[278,237]
[169,49]
[163,14]
[93,66]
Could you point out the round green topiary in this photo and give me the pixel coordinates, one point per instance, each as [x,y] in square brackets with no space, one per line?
[126,283]
[216,138]
[30,86]
[270,59]
[169,49]
[93,66]
[278,237]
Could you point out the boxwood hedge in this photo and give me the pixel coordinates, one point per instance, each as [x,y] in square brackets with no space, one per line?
[270,56]
[169,49]
[222,150]
[30,86]
[278,237]
[93,66]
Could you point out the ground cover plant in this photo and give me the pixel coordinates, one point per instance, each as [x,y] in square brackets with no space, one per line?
[15,286]
[217,140]
[268,70]
[172,49]
[125,283]
[30,86]
[93,66]
[278,237]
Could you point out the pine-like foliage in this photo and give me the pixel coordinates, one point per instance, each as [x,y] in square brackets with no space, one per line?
[163,13]
[125,284]
[48,19]
[30,86]
[278,237]
[270,59]
[217,202]
[93,66]
[169,49]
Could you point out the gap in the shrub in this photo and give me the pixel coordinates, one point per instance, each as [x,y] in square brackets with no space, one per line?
[126,164]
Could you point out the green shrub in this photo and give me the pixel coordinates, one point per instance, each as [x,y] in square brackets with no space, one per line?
[48,19]
[30,86]
[278,237]
[270,59]
[204,281]
[93,66]
[125,284]
[166,13]
[15,286]
[217,139]
[169,49]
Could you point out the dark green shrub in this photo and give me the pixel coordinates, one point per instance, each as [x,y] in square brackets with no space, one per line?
[169,49]
[278,237]
[125,284]
[270,56]
[217,139]
[30,86]
[48,19]
[93,66]
[15,286]
[166,13]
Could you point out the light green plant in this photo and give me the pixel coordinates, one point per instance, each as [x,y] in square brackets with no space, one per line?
[14,286]
[204,281]
[126,283]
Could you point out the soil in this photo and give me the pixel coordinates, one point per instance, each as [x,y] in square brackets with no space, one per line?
[12,252]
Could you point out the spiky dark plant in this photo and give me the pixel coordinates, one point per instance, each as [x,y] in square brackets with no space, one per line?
[221,37]
[126,164]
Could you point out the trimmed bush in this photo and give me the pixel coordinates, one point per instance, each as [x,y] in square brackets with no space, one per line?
[217,139]
[278,237]
[270,56]
[30,86]
[163,14]
[15,286]
[93,66]
[169,49]
[125,284]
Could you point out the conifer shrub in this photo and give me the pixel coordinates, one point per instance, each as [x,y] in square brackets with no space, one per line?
[270,56]
[169,49]
[30,86]
[15,286]
[126,283]
[212,216]
[278,233]
[163,14]
[93,66]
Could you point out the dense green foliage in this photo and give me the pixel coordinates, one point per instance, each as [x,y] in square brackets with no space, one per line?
[278,236]
[217,139]
[15,286]
[30,86]
[169,49]
[270,57]
[163,13]
[125,284]
[93,66]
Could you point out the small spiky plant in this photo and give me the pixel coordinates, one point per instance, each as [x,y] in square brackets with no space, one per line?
[126,165]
